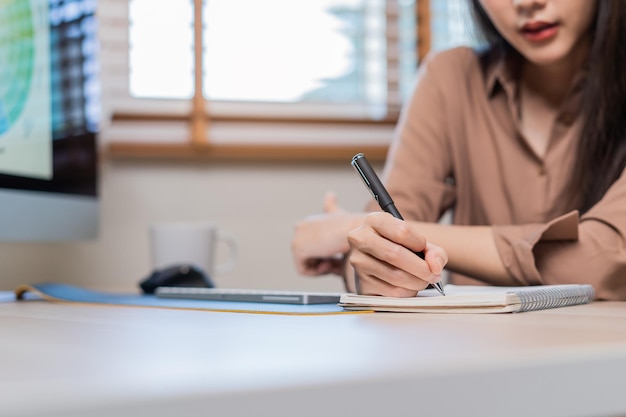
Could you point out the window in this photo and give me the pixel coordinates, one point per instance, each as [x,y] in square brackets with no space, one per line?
[278,76]
[451,24]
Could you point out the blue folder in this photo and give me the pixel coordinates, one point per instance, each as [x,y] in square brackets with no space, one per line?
[71,294]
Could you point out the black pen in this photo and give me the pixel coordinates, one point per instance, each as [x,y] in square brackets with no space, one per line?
[376,187]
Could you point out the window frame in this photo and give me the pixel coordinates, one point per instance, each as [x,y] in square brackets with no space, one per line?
[196,116]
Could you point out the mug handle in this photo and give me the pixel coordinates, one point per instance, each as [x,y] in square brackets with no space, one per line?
[230,241]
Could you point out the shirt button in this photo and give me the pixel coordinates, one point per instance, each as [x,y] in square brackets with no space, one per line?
[542,170]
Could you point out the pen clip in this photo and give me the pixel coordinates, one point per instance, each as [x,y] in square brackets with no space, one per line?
[356,166]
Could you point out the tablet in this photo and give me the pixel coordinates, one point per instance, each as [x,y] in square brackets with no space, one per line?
[248,295]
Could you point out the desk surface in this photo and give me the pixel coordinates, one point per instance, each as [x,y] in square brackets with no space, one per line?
[80,360]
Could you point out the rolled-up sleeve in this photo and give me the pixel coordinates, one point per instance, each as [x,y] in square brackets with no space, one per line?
[586,250]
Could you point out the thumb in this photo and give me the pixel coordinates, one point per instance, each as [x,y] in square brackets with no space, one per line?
[436,257]
[330,203]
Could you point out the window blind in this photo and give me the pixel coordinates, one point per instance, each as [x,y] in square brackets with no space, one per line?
[150,124]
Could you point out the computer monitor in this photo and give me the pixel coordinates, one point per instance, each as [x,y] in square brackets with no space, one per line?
[49,113]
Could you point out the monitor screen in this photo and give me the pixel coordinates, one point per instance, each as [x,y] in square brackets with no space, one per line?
[49,113]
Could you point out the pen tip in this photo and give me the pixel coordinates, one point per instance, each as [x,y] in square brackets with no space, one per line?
[439,288]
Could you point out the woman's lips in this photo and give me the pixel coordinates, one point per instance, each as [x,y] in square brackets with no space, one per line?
[539,31]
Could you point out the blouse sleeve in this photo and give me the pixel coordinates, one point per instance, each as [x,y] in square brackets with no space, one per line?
[572,250]
[420,152]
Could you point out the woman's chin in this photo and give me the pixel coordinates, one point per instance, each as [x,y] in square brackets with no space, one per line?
[550,54]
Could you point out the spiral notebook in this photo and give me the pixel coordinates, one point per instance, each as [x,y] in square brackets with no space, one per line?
[476,299]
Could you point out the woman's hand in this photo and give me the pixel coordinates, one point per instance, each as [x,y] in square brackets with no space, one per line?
[383,257]
[319,243]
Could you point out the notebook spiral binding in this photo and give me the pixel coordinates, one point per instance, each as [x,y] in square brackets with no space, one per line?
[540,299]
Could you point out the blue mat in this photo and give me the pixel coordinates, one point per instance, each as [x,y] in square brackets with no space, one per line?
[71,294]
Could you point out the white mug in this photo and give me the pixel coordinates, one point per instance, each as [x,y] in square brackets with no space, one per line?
[191,243]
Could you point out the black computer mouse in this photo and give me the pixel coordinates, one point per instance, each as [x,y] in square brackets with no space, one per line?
[180,275]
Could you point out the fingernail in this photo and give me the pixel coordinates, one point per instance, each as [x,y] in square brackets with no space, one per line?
[440,262]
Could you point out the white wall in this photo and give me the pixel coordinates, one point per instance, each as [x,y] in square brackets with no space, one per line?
[257,202]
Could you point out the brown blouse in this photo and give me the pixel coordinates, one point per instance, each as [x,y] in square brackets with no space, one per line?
[459,145]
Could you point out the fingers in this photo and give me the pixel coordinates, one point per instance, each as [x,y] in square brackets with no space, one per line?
[369,285]
[322,237]
[383,255]
[436,257]
[314,266]
[381,278]
[321,266]
[330,266]
[384,258]
[391,241]
[396,230]
[330,203]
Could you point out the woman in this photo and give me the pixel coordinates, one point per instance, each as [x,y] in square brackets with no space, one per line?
[526,141]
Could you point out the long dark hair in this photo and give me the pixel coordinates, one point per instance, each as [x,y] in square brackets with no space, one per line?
[601,153]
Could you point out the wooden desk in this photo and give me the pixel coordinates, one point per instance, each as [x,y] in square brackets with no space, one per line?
[79,360]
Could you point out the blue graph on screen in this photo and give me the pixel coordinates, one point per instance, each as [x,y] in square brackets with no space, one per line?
[17,51]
